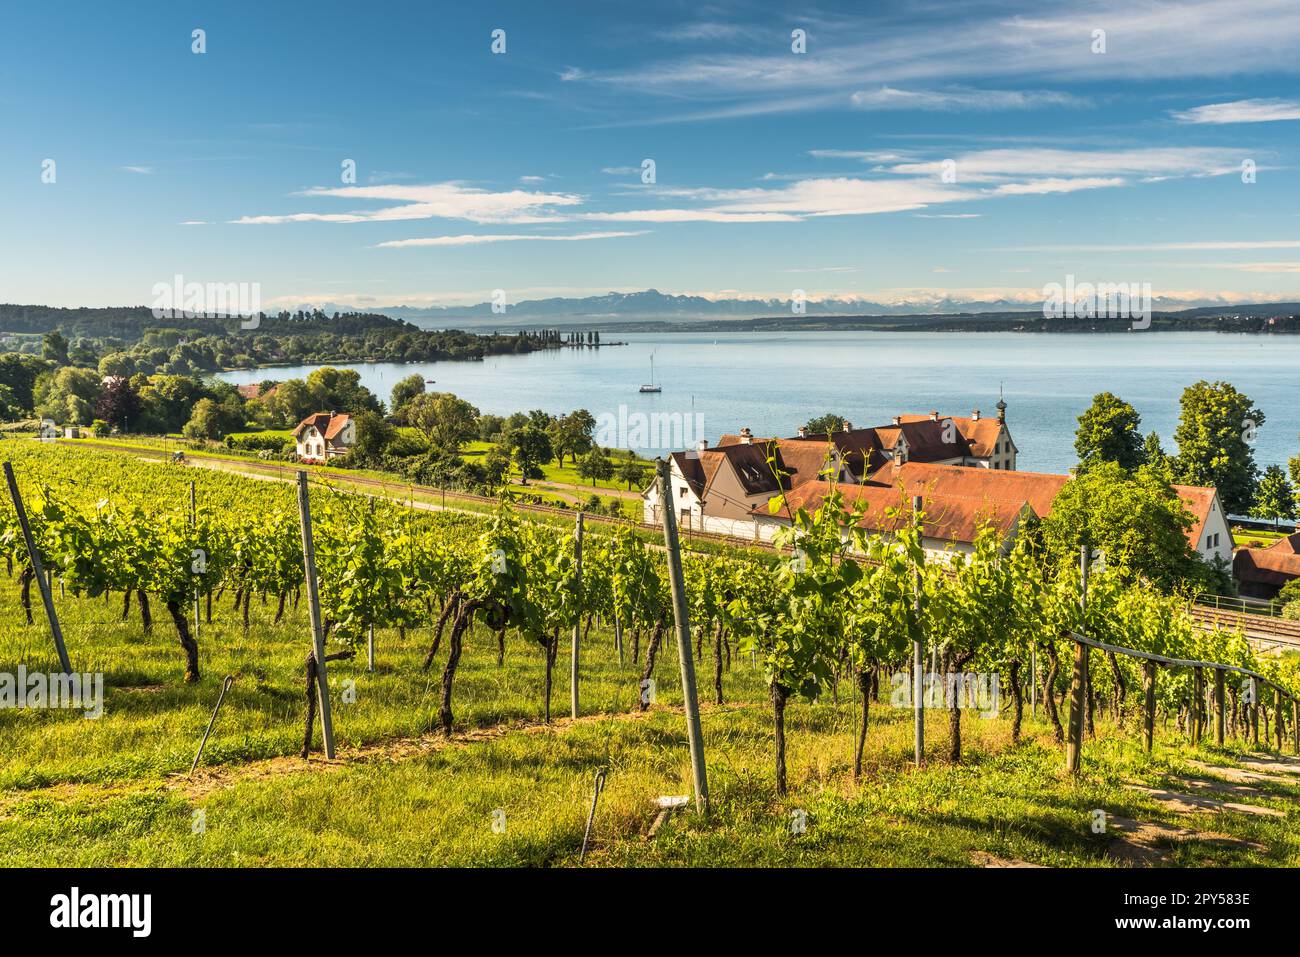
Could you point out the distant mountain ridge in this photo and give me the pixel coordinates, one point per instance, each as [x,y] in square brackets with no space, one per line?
[614,309]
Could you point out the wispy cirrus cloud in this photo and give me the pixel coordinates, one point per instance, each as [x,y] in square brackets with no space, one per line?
[138,170]
[996,41]
[451,200]
[484,239]
[891,98]
[1241,111]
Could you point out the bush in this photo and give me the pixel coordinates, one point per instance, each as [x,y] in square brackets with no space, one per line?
[260,443]
[1292,610]
[1290,592]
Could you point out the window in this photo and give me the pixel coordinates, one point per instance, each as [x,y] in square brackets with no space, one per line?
[1209,541]
[681,492]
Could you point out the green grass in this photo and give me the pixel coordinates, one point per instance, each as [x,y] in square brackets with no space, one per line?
[111,791]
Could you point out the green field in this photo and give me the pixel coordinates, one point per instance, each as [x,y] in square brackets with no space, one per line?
[113,791]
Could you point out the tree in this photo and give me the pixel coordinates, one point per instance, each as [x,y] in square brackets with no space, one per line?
[119,404]
[54,346]
[340,390]
[1137,519]
[530,447]
[596,465]
[405,390]
[1275,498]
[445,420]
[632,472]
[20,373]
[1155,455]
[373,436]
[213,420]
[576,431]
[1214,436]
[1108,432]
[825,424]
[68,395]
[496,464]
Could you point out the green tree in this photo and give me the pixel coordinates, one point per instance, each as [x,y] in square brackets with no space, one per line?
[596,465]
[1154,454]
[68,395]
[54,346]
[1137,519]
[632,472]
[530,447]
[1214,436]
[373,436]
[445,420]
[1108,432]
[825,424]
[213,420]
[1275,498]
[340,390]
[405,390]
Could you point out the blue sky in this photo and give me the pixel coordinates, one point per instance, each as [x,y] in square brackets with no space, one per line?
[775,170]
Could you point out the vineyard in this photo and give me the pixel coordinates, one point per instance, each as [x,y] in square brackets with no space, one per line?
[448,641]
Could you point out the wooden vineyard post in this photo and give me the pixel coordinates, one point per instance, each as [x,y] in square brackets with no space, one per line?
[1277,717]
[684,656]
[1295,725]
[577,619]
[42,581]
[1149,708]
[1198,705]
[918,665]
[194,523]
[1079,681]
[317,631]
[1033,683]
[1254,711]
[1218,706]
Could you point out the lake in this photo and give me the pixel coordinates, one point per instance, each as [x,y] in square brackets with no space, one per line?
[774,382]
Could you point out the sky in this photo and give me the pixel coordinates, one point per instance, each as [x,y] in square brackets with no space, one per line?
[910,153]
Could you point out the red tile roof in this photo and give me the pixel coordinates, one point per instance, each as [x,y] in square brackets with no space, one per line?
[953,518]
[328,424]
[1275,565]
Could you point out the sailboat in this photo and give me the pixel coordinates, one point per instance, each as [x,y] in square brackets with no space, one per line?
[652,387]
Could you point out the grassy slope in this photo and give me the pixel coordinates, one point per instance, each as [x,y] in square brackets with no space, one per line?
[110,792]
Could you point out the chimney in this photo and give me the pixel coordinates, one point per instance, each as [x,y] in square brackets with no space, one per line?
[975,415]
[934,415]
[848,426]
[898,420]
[803,432]
[746,436]
[701,445]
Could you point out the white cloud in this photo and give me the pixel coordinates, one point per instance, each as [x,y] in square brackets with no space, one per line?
[891,98]
[1241,111]
[477,240]
[1040,187]
[1003,164]
[1172,247]
[140,170]
[687,216]
[1153,40]
[435,201]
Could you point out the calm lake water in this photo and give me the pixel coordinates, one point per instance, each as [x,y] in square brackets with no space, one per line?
[774,382]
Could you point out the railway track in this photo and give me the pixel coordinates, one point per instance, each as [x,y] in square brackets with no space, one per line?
[1264,632]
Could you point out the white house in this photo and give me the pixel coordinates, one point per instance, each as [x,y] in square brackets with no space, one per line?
[325,434]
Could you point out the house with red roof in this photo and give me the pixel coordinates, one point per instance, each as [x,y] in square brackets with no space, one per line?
[323,435]
[1262,572]
[963,467]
